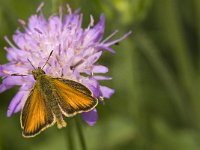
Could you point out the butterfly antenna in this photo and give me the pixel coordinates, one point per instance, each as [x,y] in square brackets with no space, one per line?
[16,74]
[48,59]
[31,63]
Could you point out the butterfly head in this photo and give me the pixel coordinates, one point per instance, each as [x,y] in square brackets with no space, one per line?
[37,73]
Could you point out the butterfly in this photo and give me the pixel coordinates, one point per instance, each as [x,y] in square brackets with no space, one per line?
[50,100]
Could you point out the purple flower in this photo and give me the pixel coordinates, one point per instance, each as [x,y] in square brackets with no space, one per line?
[75,52]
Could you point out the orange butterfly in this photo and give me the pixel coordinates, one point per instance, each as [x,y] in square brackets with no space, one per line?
[50,100]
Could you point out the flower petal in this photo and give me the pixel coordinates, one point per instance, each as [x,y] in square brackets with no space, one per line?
[93,85]
[4,87]
[106,92]
[99,69]
[96,33]
[20,104]
[90,61]
[102,78]
[13,80]
[36,22]
[15,102]
[90,117]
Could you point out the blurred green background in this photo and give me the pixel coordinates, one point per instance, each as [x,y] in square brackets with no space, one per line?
[156,75]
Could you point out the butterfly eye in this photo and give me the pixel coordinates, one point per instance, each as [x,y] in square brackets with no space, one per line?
[40,71]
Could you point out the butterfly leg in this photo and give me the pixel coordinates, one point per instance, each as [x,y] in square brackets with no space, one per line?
[60,122]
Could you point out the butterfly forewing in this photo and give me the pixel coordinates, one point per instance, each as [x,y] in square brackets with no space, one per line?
[75,85]
[35,115]
[73,97]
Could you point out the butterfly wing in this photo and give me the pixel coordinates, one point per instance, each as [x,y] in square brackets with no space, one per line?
[73,97]
[35,115]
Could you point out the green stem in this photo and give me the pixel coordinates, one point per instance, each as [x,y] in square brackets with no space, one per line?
[69,138]
[196,6]
[176,40]
[151,52]
[197,11]
[80,135]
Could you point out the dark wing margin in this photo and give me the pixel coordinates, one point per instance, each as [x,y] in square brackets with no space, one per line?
[35,115]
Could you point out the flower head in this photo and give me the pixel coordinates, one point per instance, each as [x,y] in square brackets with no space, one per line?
[75,53]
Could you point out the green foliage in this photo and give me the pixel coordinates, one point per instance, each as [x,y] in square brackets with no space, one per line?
[156,74]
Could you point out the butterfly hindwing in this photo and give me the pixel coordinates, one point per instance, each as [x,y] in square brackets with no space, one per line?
[35,115]
[73,97]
